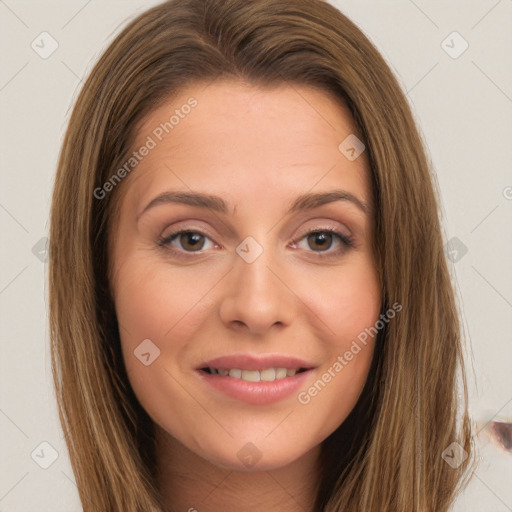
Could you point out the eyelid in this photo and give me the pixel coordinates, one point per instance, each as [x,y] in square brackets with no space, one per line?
[187,229]
[322,227]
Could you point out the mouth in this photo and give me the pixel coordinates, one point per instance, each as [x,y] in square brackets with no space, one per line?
[255,379]
[255,387]
[263,375]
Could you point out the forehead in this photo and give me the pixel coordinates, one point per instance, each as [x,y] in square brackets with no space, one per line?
[286,111]
[236,136]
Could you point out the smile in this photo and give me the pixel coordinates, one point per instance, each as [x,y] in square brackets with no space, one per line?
[250,386]
[265,375]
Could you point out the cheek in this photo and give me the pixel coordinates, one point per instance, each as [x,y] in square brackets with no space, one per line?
[347,301]
[155,303]
[357,307]
[345,306]
[158,303]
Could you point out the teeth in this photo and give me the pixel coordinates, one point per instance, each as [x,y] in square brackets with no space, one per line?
[266,375]
[251,375]
[281,373]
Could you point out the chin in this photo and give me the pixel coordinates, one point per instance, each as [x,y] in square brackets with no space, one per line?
[250,456]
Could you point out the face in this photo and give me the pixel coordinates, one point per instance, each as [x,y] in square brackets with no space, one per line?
[270,274]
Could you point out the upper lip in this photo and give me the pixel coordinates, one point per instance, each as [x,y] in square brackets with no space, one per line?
[256,362]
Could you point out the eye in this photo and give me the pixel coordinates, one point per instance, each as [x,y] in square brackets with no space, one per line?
[321,240]
[190,241]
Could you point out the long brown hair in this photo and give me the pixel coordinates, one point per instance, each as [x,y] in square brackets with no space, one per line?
[387,455]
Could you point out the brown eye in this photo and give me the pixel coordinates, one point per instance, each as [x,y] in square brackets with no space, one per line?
[191,240]
[184,241]
[320,240]
[325,243]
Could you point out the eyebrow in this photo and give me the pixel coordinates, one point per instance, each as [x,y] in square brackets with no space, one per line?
[303,202]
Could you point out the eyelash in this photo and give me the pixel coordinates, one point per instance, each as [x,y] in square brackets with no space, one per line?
[347,242]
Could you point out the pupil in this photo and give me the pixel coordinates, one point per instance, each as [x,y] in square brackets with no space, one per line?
[322,238]
[193,239]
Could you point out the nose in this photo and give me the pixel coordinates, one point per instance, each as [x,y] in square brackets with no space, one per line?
[257,296]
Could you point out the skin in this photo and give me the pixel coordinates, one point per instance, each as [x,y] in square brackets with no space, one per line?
[258,149]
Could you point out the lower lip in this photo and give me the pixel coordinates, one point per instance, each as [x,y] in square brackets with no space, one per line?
[256,393]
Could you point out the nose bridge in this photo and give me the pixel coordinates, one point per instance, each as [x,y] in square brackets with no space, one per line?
[257,296]
[253,265]
[256,282]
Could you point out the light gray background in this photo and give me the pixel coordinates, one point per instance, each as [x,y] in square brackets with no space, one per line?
[463,106]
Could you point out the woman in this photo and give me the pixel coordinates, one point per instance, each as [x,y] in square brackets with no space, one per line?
[268,370]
